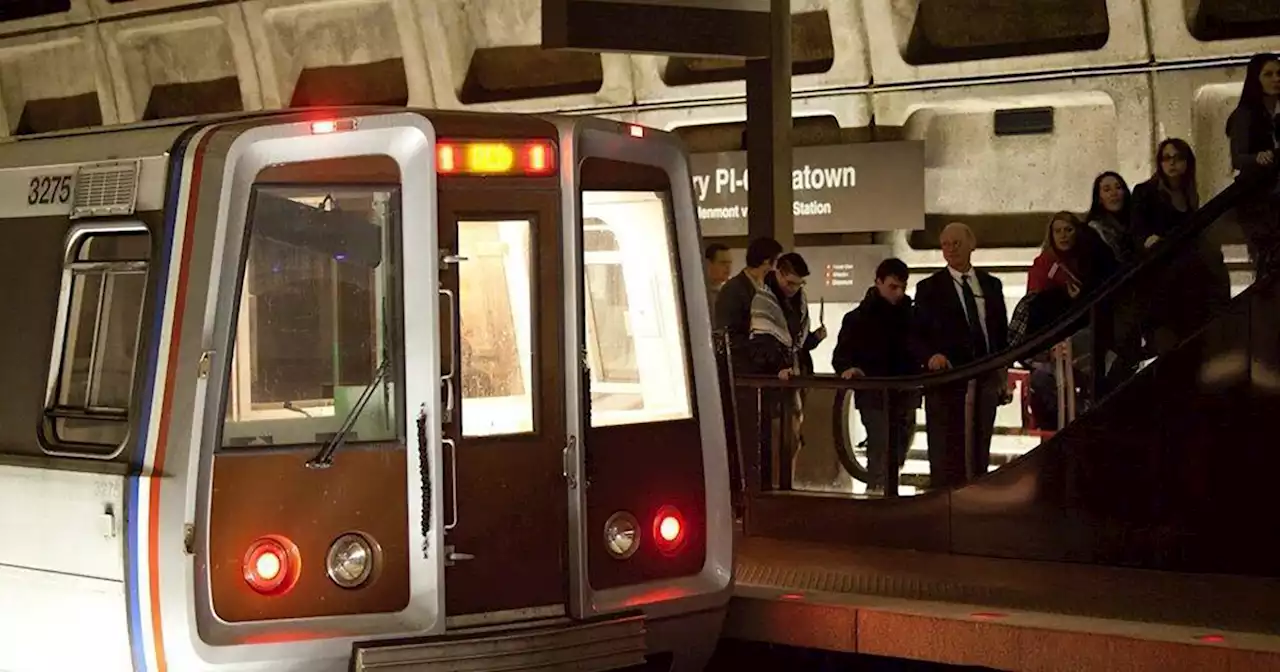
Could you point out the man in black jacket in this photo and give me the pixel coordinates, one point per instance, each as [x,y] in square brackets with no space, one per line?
[875,340]
[733,305]
[960,318]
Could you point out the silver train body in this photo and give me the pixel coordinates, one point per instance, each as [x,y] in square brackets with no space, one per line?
[497,323]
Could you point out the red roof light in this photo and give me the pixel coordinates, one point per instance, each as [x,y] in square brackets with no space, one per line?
[326,126]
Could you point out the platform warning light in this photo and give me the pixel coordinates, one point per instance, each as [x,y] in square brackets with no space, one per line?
[636,131]
[529,158]
[668,530]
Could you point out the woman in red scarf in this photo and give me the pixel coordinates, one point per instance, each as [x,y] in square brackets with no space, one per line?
[1070,258]
[1073,261]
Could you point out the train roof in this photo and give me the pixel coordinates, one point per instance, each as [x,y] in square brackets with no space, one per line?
[156,138]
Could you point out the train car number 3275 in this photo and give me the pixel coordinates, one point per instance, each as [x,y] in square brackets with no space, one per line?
[49,189]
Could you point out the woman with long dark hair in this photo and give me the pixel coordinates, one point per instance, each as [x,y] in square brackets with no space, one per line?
[1255,136]
[1109,215]
[1165,202]
[1193,288]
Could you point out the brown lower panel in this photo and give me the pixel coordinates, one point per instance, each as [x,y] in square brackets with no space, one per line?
[511,520]
[261,493]
[640,469]
[919,523]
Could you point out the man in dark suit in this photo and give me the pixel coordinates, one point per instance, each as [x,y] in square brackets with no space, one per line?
[961,318]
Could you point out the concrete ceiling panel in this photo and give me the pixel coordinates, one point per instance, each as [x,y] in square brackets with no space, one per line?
[1172,38]
[47,69]
[293,36]
[79,12]
[486,55]
[967,38]
[174,53]
[106,9]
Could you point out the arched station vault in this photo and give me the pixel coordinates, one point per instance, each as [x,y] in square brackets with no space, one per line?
[1120,73]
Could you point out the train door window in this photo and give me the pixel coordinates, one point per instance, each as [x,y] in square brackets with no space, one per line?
[494,303]
[104,286]
[636,345]
[314,328]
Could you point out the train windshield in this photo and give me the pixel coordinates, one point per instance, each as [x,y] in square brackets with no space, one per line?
[315,309]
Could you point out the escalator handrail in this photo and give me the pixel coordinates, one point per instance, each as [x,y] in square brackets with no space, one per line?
[1203,218]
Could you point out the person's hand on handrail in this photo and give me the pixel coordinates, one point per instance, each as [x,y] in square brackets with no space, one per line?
[1006,390]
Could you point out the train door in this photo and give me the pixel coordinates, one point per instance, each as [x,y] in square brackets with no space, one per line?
[651,514]
[503,380]
[318,504]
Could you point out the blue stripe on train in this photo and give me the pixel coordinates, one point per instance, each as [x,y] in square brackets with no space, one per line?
[134,558]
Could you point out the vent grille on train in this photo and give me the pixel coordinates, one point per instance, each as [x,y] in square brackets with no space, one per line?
[106,189]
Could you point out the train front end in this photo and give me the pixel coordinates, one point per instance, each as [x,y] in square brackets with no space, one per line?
[436,388]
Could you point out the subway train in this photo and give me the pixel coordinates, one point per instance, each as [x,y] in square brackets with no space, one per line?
[358,388]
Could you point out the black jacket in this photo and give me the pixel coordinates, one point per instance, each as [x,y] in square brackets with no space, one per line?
[1154,214]
[1183,294]
[941,325]
[876,337]
[733,315]
[1251,130]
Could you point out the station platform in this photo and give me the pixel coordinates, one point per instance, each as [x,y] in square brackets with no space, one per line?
[1002,614]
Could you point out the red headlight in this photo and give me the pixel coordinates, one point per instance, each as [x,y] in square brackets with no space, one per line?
[272,565]
[669,530]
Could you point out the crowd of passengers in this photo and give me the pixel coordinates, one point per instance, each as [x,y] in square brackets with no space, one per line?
[958,313]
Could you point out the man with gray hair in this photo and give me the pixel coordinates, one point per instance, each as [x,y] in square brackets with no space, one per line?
[961,318]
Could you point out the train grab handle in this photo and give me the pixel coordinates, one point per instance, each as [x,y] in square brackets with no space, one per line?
[451,462]
[447,379]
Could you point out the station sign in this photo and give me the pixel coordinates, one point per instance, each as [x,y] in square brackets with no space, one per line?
[857,187]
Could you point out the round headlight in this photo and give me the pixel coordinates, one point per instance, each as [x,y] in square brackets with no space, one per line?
[622,535]
[350,560]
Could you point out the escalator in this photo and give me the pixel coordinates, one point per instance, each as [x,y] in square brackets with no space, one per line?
[1173,467]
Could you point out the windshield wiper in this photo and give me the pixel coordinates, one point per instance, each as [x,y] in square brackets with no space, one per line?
[324,458]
